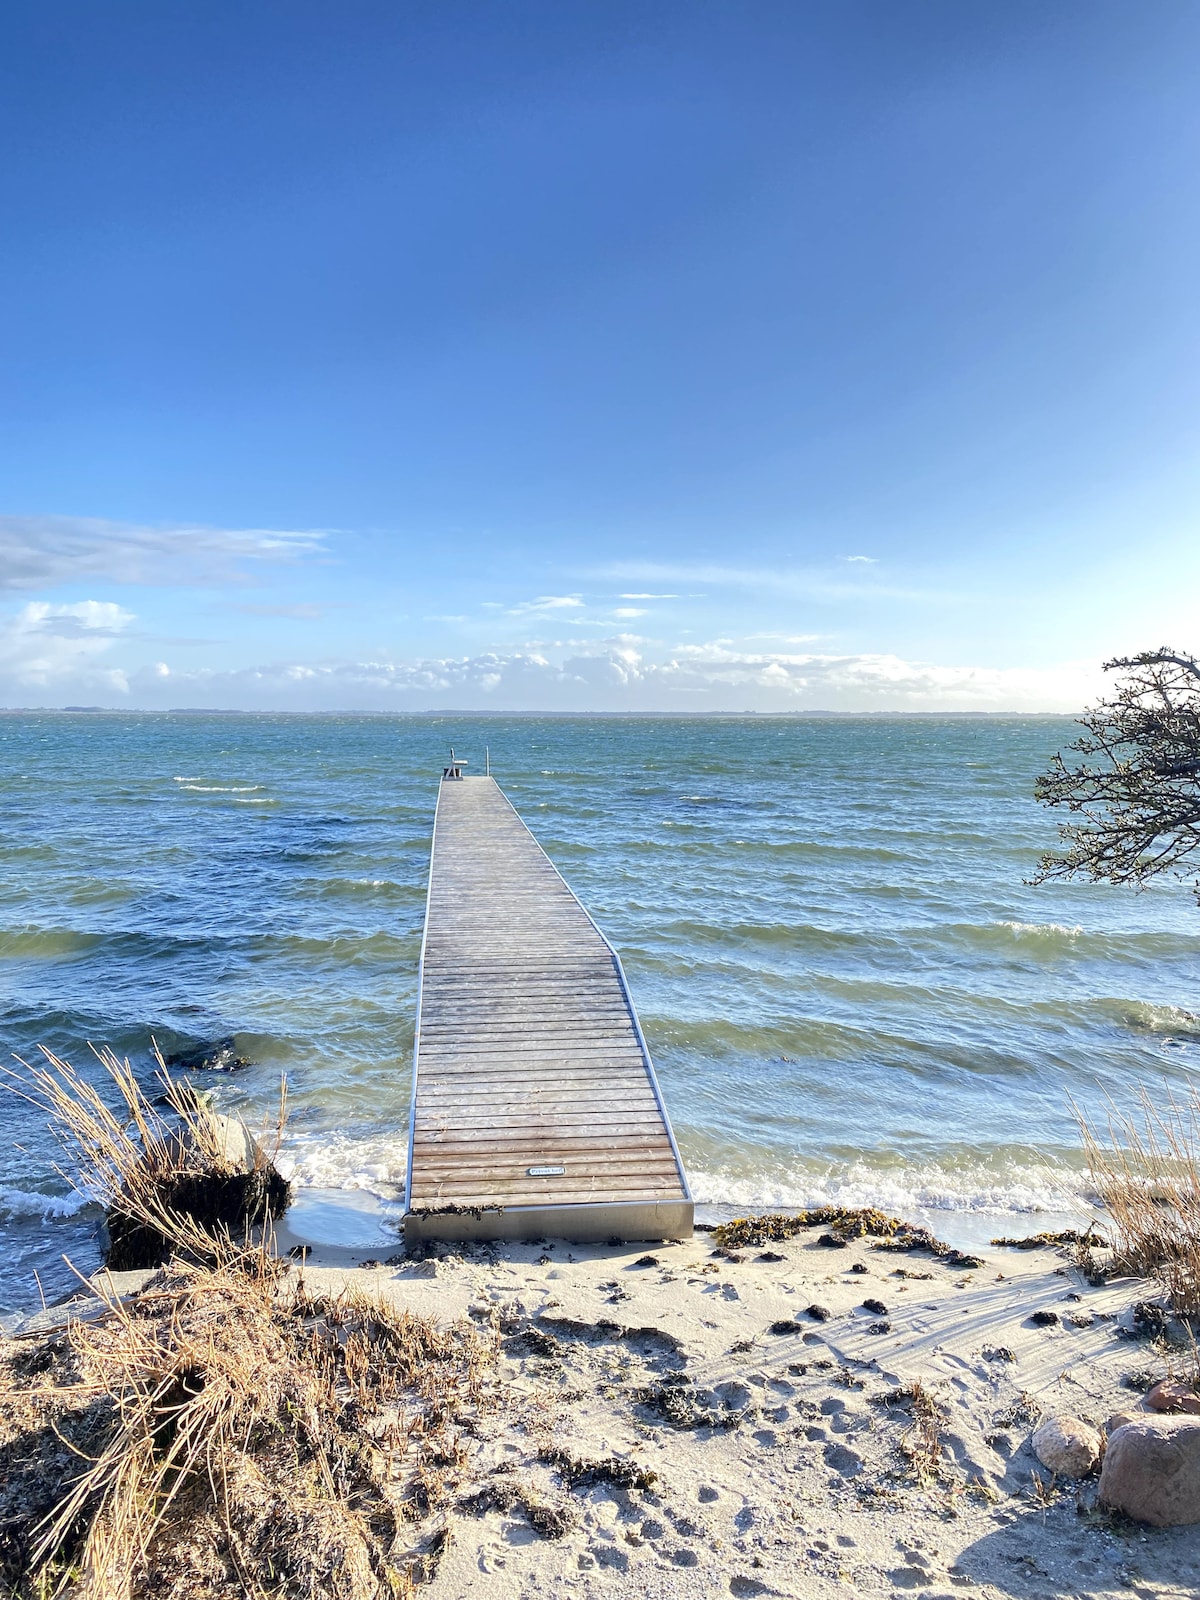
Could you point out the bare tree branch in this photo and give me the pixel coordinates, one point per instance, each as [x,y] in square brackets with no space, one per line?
[1134,800]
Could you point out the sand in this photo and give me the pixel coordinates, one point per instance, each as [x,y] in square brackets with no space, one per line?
[680,1424]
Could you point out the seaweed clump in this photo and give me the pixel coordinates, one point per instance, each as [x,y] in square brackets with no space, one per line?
[1080,1249]
[843,1225]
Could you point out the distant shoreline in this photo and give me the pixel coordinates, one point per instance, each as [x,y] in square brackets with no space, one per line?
[493,714]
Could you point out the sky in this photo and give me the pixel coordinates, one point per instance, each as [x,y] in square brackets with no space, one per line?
[594,355]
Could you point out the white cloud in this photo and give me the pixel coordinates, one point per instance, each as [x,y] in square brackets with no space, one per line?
[618,673]
[643,596]
[545,603]
[43,647]
[800,583]
[629,611]
[38,552]
[869,560]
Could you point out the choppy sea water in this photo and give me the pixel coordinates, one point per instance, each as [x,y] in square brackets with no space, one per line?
[849,991]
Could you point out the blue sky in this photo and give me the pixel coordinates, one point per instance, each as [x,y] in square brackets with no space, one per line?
[639,356]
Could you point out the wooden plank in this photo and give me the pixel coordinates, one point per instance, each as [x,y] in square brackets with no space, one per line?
[528,1050]
[579,1140]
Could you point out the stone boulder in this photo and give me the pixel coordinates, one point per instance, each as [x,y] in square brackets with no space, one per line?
[211,1172]
[1067,1446]
[1152,1471]
[1171,1395]
[215,1140]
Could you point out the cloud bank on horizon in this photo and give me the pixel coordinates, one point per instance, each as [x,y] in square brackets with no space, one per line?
[837,357]
[92,651]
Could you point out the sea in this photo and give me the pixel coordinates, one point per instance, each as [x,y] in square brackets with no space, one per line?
[851,991]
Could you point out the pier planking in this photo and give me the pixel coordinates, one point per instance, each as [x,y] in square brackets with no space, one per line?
[528,1053]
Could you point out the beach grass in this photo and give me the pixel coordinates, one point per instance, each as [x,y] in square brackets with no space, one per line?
[1145,1164]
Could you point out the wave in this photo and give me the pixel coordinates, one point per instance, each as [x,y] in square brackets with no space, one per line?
[20,1203]
[1041,930]
[1024,1190]
[219,788]
[375,1162]
[46,943]
[1144,1016]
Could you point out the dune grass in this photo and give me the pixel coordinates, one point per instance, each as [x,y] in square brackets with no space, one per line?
[1145,1164]
[243,1438]
[223,1432]
[161,1169]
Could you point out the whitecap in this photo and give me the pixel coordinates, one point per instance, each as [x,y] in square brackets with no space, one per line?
[1022,1190]
[16,1203]
[377,1163]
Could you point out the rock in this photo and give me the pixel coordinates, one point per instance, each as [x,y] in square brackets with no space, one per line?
[1170,1395]
[212,1172]
[819,1313]
[1152,1471]
[215,1055]
[213,1139]
[231,1143]
[1067,1446]
[1120,1418]
[1044,1319]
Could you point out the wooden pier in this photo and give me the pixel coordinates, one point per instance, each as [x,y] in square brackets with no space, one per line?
[536,1111]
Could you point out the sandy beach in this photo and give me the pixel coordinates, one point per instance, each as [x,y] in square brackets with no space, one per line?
[795,1419]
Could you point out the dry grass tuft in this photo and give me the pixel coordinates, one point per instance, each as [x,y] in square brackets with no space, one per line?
[225,1434]
[921,1442]
[1147,1172]
[165,1176]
